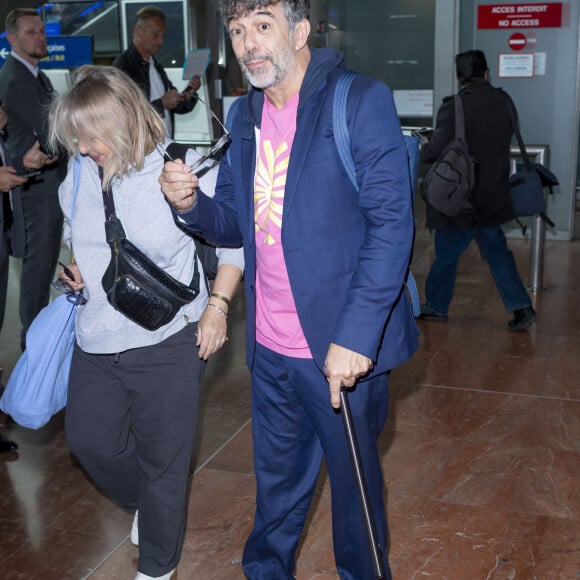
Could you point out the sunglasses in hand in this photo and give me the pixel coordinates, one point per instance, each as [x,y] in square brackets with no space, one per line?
[217,150]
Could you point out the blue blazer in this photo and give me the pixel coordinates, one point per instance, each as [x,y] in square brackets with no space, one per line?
[346,251]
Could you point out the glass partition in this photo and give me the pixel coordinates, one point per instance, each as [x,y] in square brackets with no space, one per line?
[172,53]
[391,41]
[97,19]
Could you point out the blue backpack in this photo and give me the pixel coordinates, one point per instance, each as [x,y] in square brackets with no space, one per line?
[342,138]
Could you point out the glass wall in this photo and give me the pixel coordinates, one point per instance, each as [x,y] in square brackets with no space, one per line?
[111,24]
[172,53]
[391,41]
[97,19]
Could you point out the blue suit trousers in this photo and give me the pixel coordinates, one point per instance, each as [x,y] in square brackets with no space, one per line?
[294,427]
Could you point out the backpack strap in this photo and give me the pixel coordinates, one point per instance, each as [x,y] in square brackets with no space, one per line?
[339,126]
[202,248]
[342,139]
[459,118]
[176,151]
[205,251]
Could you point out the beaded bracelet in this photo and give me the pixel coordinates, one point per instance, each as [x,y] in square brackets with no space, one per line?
[218,309]
[221,297]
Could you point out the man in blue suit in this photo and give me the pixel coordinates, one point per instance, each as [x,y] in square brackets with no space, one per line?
[325,270]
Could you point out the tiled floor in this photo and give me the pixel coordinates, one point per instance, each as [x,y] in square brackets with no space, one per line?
[481,455]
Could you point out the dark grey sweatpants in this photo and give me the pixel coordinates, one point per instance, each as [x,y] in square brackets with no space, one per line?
[131,421]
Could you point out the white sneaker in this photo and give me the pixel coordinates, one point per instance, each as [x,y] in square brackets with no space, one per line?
[135,530]
[141,576]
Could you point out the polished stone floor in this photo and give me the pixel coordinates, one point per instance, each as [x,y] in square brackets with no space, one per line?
[481,454]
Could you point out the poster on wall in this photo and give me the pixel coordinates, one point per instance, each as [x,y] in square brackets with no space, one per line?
[519,65]
[540,64]
[414,103]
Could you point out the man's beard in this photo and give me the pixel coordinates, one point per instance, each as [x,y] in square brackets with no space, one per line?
[272,72]
[38,53]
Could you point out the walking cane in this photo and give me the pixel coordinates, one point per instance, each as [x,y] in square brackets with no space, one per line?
[363,494]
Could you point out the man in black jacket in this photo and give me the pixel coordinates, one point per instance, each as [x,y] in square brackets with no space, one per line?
[139,62]
[26,92]
[488,132]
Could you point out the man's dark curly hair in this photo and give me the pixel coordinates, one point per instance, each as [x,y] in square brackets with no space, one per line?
[470,65]
[295,10]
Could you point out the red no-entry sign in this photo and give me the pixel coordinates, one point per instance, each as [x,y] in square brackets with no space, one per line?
[517,41]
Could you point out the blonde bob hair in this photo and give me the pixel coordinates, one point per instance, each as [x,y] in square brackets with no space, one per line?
[105,104]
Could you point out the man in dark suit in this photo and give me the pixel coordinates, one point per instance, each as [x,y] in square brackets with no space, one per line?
[488,132]
[11,237]
[325,270]
[11,215]
[25,92]
[139,62]
[12,231]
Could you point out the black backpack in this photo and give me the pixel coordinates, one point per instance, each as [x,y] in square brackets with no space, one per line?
[450,180]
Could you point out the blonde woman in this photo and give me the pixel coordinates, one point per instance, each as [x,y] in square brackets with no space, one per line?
[133,393]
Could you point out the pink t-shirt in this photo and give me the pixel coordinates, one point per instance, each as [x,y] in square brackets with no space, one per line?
[277,324]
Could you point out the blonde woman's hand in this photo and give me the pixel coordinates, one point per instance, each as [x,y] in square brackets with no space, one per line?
[212,331]
[75,283]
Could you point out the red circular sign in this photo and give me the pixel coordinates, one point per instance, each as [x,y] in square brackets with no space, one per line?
[517,41]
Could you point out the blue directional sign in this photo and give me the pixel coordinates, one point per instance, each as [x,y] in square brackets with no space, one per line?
[63,51]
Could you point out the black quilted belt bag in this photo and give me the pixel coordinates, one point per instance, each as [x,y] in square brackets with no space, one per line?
[135,285]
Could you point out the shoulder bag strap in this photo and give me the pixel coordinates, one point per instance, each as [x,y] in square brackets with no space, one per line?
[113,227]
[176,150]
[179,150]
[514,124]
[108,200]
[459,118]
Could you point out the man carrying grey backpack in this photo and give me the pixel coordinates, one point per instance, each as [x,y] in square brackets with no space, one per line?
[488,134]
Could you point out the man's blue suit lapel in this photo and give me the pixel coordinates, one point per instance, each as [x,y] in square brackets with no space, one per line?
[298,158]
[306,123]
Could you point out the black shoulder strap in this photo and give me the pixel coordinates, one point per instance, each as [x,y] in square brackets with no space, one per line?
[459,118]
[179,151]
[513,117]
[176,151]
[114,230]
[108,200]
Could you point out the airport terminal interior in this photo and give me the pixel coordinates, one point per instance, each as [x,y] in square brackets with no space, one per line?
[481,451]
